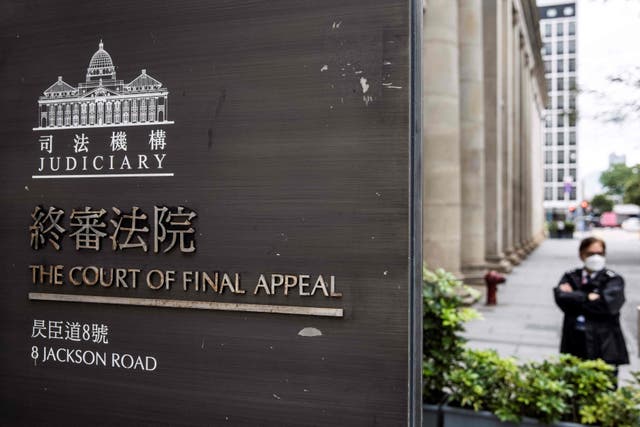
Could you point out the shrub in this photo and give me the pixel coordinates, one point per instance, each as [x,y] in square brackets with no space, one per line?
[556,389]
[482,380]
[569,227]
[563,388]
[542,396]
[619,408]
[443,320]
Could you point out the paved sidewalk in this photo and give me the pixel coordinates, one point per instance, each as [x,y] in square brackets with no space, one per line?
[526,322]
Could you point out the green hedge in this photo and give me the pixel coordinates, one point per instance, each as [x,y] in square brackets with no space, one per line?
[561,389]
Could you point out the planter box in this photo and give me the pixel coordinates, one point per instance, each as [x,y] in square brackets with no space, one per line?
[561,234]
[446,416]
[431,416]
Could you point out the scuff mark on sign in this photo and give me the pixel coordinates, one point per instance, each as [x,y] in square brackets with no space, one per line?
[211,130]
[364,84]
[310,332]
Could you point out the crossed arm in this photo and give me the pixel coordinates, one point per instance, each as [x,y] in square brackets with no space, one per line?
[570,298]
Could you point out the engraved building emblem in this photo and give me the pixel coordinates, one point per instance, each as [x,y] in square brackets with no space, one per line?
[102,100]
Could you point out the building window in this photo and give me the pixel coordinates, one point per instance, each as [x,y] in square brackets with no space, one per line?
[548,121]
[560,137]
[548,157]
[83,114]
[548,138]
[560,28]
[572,173]
[560,65]
[143,110]
[547,66]
[100,113]
[572,28]
[560,83]
[572,46]
[548,175]
[561,193]
[560,120]
[572,119]
[549,84]
[560,102]
[76,110]
[548,195]
[546,49]
[572,138]
[572,102]
[560,175]
[572,83]
[152,110]
[52,114]
[108,112]
[560,47]
[573,157]
[552,13]
[568,11]
[560,157]
[572,195]
[572,64]
[67,115]
[547,29]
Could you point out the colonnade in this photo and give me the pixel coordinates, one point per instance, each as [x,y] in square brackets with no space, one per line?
[483,98]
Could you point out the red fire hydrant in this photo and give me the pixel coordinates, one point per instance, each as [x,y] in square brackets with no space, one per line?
[493,279]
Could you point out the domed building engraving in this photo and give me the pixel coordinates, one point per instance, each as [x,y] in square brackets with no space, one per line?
[102,100]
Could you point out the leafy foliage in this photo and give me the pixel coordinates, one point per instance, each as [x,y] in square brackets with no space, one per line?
[551,390]
[556,389]
[484,381]
[632,187]
[569,227]
[601,203]
[620,408]
[542,396]
[615,178]
[443,320]
[564,388]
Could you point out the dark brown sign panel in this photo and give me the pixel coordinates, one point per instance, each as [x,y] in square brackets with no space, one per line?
[206,213]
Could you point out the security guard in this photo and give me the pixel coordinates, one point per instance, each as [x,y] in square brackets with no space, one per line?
[591,298]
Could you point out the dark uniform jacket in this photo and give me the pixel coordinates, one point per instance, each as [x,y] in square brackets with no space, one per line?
[599,336]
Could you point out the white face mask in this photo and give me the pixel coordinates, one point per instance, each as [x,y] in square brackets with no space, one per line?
[594,262]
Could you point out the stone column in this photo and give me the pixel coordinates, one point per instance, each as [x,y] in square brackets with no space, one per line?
[493,56]
[537,194]
[528,94]
[525,157]
[441,136]
[472,140]
[517,143]
[507,31]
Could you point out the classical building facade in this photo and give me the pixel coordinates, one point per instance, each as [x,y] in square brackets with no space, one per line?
[103,100]
[559,45]
[483,93]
